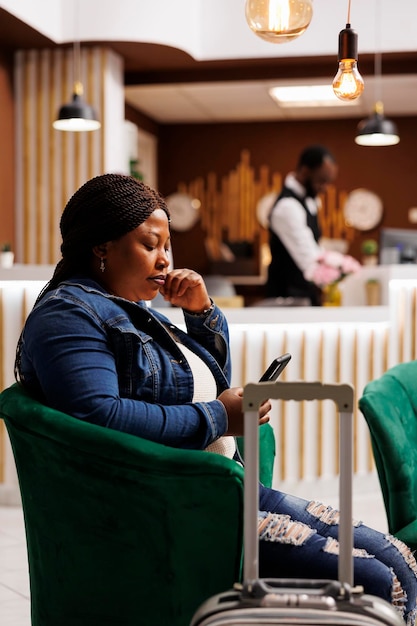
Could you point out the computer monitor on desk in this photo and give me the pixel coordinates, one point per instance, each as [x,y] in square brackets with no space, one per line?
[397,245]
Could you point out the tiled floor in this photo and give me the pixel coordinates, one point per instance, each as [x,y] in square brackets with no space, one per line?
[14,578]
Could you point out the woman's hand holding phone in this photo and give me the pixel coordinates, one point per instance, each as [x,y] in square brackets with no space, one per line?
[232,398]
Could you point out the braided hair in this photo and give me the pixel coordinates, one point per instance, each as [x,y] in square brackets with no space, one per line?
[103,209]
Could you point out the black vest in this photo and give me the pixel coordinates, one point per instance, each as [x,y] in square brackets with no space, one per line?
[285,279]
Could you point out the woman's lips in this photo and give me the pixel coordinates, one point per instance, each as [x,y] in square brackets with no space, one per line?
[159,280]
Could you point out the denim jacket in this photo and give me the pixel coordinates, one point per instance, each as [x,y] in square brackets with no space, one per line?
[115,363]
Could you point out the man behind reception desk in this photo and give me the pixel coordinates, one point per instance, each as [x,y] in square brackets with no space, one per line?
[294,229]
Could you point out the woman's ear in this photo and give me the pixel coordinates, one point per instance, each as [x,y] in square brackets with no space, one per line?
[100,251]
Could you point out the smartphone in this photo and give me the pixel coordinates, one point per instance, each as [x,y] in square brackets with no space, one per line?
[275,369]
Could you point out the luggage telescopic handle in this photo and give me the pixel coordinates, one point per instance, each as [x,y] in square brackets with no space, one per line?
[343,396]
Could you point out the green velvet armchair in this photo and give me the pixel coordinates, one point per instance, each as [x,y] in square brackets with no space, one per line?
[389,405]
[121,530]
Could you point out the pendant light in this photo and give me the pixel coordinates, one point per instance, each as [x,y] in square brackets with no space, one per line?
[377,130]
[348,83]
[77,115]
[278,21]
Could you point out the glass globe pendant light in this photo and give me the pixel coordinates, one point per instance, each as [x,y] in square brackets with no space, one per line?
[278,21]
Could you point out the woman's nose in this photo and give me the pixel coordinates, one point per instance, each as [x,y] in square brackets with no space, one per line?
[163,259]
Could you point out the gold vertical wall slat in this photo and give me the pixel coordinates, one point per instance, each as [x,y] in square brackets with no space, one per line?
[264,352]
[26,157]
[25,307]
[283,405]
[338,361]
[338,357]
[244,359]
[302,442]
[355,410]
[401,324]
[89,96]
[283,422]
[319,460]
[100,138]
[77,159]
[40,104]
[332,212]
[64,137]
[370,376]
[241,172]
[386,351]
[53,157]
[371,356]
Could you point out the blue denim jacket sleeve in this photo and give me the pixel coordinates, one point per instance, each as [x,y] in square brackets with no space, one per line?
[212,333]
[79,360]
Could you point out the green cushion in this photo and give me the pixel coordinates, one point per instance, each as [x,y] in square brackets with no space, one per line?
[408,534]
[266,453]
[389,405]
[120,530]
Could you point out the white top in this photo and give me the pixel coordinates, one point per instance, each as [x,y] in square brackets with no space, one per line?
[205,390]
[289,223]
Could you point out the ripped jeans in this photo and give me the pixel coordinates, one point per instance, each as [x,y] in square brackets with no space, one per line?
[298,539]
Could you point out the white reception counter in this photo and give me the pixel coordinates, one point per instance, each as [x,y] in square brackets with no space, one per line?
[351,344]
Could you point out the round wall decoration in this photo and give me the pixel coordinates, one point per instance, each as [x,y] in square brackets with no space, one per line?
[363,209]
[184,211]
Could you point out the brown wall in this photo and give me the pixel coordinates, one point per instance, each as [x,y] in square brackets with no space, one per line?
[7,152]
[189,151]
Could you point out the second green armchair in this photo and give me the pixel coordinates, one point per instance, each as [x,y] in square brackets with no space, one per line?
[389,405]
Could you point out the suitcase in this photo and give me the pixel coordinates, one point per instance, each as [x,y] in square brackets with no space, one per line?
[296,601]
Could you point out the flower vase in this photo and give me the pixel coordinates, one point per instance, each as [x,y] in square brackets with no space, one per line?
[373,292]
[332,295]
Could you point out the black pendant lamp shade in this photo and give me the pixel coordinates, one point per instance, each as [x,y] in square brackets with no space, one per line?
[77,115]
[377,130]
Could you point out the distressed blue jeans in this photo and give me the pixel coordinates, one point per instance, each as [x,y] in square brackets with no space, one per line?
[298,539]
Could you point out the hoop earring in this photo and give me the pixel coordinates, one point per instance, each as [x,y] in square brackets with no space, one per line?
[102,264]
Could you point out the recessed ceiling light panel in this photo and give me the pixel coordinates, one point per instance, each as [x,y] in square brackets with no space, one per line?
[307,96]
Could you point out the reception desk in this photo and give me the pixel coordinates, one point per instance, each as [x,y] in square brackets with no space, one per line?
[351,344]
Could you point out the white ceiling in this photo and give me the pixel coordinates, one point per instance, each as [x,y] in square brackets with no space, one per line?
[157,38]
[244,101]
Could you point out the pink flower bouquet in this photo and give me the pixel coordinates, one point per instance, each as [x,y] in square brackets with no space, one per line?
[331,267]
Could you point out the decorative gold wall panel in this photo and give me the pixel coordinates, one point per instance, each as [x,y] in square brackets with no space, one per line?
[51,164]
[228,206]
